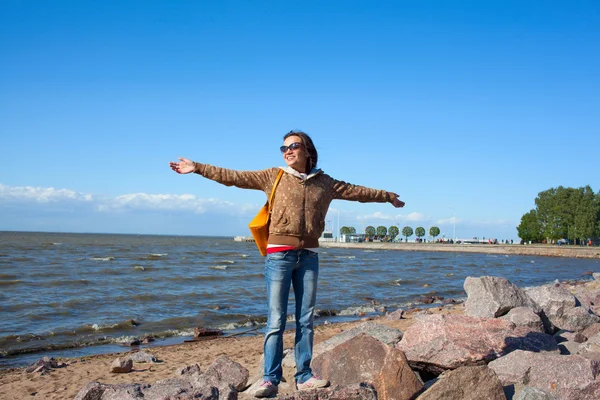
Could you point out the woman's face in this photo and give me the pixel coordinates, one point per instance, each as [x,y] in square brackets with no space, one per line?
[295,156]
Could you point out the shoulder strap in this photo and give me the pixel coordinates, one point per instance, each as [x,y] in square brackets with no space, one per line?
[273,190]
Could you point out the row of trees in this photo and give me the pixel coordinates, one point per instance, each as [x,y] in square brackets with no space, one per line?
[392,231]
[561,212]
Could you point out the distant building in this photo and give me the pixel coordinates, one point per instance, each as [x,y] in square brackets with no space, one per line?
[353,238]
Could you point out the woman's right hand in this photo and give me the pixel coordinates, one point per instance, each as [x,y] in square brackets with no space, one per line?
[184,166]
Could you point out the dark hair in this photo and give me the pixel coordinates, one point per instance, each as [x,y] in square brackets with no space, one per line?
[309,147]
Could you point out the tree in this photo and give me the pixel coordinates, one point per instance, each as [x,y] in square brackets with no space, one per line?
[530,228]
[344,230]
[434,231]
[393,231]
[420,232]
[381,231]
[370,231]
[352,230]
[406,232]
[562,212]
[586,215]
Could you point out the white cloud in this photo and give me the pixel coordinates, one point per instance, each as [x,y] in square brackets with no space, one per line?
[165,202]
[41,195]
[445,221]
[127,202]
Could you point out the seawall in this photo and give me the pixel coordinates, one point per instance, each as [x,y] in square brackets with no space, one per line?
[526,250]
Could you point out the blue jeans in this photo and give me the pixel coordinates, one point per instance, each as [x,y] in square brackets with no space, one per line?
[300,269]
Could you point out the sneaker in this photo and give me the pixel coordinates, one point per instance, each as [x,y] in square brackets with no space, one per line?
[266,389]
[314,382]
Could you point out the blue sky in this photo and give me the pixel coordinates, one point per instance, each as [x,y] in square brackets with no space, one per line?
[467,109]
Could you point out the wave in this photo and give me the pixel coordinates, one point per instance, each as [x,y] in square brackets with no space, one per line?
[8,276]
[347,257]
[109,258]
[11,282]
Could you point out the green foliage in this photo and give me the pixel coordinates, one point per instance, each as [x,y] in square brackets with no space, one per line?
[530,229]
[381,231]
[352,230]
[393,231]
[407,231]
[562,213]
[420,232]
[434,231]
[344,230]
[370,231]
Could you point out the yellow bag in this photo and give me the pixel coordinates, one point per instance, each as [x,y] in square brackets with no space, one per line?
[259,226]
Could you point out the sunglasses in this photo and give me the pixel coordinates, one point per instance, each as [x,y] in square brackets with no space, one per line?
[293,146]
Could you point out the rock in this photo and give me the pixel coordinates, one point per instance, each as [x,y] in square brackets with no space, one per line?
[565,377]
[181,389]
[101,391]
[425,299]
[568,347]
[174,388]
[396,315]
[530,393]
[466,383]
[204,332]
[141,357]
[44,364]
[121,366]
[350,392]
[524,316]
[592,345]
[560,309]
[190,369]
[148,339]
[491,296]
[223,372]
[380,332]
[596,276]
[591,331]
[366,359]
[435,343]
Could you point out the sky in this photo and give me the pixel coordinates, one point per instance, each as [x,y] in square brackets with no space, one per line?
[466,109]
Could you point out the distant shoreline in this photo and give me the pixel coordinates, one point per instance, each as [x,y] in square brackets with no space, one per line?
[516,249]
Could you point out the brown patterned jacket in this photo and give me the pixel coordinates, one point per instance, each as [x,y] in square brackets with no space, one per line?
[299,205]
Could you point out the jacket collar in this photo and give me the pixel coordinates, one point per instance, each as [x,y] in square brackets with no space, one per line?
[314,172]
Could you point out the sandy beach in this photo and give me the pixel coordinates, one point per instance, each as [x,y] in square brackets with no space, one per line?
[65,383]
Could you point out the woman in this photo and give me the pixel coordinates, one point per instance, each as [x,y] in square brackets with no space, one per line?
[300,204]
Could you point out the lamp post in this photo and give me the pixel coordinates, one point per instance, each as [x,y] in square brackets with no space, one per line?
[339,229]
[454,220]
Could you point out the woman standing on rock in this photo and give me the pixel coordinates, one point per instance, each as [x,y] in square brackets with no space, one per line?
[300,204]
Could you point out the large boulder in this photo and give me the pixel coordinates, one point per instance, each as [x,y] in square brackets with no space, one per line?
[101,391]
[366,359]
[380,332]
[174,388]
[466,383]
[183,389]
[435,343]
[569,377]
[525,316]
[529,393]
[561,310]
[492,296]
[350,392]
[224,371]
